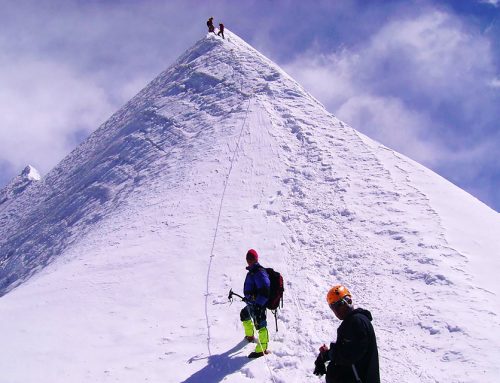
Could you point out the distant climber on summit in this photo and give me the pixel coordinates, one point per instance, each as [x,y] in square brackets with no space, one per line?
[210,25]
[354,356]
[256,290]
[221,30]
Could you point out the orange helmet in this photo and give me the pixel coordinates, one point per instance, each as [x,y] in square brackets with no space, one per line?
[336,294]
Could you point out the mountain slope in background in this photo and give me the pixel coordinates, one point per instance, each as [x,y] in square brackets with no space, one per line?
[116,266]
[18,185]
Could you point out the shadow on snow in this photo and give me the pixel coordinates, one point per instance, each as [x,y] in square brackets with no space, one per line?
[219,366]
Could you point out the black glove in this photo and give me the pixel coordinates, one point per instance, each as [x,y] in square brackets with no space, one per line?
[319,366]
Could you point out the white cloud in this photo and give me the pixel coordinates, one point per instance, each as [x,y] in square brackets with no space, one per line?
[397,86]
[42,106]
[495,83]
[435,50]
[495,3]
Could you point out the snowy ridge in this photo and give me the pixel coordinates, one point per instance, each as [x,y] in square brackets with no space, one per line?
[134,240]
[18,185]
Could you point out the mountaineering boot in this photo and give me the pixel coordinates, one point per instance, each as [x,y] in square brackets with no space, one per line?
[248,326]
[254,354]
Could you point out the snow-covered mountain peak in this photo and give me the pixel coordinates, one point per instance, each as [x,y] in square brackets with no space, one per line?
[30,173]
[124,253]
[210,82]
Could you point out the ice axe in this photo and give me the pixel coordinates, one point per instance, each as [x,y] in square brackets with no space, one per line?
[231,293]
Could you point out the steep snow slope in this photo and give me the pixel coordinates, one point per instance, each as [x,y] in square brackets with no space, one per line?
[134,240]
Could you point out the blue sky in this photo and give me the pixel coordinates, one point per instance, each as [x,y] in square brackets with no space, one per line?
[422,77]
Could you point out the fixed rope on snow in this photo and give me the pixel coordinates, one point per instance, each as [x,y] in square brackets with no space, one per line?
[217,224]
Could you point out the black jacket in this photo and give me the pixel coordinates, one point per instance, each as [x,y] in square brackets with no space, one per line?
[356,345]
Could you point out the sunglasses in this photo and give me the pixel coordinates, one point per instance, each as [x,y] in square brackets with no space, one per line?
[337,304]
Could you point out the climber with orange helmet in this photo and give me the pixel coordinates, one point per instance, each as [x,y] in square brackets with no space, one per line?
[354,355]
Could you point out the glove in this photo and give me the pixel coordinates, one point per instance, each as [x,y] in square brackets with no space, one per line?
[319,366]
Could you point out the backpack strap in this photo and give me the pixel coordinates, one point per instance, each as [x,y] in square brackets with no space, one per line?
[264,291]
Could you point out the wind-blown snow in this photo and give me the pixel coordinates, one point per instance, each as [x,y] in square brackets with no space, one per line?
[116,266]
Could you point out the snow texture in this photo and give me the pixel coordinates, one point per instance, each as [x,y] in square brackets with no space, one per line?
[116,266]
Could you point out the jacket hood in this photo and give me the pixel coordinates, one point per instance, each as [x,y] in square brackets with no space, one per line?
[364,312]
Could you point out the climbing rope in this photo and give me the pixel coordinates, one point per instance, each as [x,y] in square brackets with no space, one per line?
[212,255]
[235,152]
